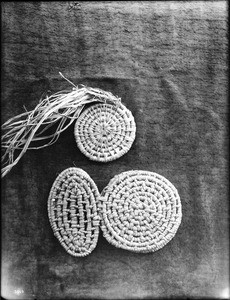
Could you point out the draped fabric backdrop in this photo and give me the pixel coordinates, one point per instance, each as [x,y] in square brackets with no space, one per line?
[167,60]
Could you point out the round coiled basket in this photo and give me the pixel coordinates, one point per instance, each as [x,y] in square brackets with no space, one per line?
[105,132]
[140,211]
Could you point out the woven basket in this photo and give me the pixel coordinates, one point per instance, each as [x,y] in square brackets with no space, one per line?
[140,211]
[105,132]
[73,211]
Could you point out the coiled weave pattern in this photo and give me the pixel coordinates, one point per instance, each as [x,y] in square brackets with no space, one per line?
[105,132]
[140,211]
[72,211]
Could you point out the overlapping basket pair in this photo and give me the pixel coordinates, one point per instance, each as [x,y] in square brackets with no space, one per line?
[138,210]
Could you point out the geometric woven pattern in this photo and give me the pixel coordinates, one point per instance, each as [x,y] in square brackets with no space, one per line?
[73,212]
[105,132]
[140,211]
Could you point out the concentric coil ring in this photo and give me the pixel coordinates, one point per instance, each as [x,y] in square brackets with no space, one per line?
[72,210]
[105,132]
[140,211]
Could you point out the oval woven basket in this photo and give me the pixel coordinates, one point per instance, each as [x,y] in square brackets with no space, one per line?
[72,211]
[140,211]
[105,132]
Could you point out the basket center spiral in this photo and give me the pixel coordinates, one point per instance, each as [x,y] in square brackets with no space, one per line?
[104,130]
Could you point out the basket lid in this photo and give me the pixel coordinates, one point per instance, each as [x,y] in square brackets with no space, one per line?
[105,132]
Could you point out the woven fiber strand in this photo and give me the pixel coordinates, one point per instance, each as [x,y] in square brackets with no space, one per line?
[105,132]
[72,211]
[140,211]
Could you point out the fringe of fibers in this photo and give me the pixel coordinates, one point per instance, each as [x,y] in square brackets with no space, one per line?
[61,109]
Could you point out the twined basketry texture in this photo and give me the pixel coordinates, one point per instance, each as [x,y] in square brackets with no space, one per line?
[72,211]
[105,132]
[140,211]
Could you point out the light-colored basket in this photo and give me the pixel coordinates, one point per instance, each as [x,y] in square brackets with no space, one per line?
[140,211]
[105,132]
[72,211]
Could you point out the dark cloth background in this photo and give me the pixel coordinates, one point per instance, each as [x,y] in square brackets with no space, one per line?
[168,63]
